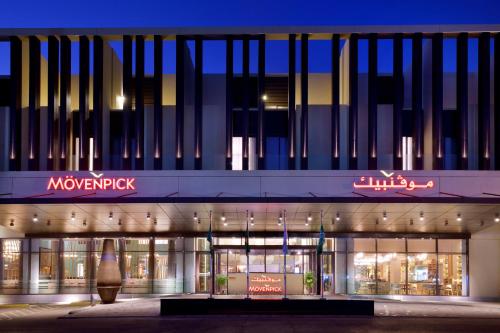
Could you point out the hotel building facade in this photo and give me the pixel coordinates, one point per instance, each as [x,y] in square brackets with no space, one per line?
[101,139]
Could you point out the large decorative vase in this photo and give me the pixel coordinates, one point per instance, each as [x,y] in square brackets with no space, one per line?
[109,280]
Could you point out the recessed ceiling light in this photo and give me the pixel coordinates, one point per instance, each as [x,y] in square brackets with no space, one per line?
[459,217]
[309,217]
[223,217]
[337,217]
[195,217]
[73,216]
[421,216]
[35,218]
[148,216]
[497,218]
[110,217]
[384,216]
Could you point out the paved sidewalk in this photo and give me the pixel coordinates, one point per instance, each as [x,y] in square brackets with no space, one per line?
[383,308]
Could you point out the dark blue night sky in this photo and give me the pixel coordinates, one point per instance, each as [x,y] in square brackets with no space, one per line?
[165,13]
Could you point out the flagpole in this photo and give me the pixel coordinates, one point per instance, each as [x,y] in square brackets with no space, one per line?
[247,250]
[322,289]
[211,260]
[285,250]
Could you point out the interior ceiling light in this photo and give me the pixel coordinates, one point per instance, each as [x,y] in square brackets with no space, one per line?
[251,217]
[309,217]
[459,217]
[73,216]
[421,216]
[384,216]
[497,218]
[195,216]
[223,217]
[148,216]
[35,218]
[110,216]
[337,217]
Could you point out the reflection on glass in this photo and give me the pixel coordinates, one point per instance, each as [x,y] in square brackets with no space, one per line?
[203,272]
[364,273]
[422,270]
[136,265]
[391,273]
[75,265]
[12,279]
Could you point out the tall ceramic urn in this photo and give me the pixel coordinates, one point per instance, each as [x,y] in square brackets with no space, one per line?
[109,280]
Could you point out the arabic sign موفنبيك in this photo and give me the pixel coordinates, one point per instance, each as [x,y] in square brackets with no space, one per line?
[389,182]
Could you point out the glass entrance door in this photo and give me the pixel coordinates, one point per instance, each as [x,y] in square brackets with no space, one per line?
[328,277]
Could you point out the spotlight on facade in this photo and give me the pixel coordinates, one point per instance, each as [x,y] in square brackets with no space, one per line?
[120,100]
[497,218]
[459,217]
[35,218]
[195,217]
[421,216]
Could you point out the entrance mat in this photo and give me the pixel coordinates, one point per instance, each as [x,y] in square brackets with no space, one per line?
[212,306]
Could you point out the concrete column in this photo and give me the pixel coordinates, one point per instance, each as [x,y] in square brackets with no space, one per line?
[15,104]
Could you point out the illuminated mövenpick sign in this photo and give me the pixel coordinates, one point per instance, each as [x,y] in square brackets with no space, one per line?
[96,183]
[390,183]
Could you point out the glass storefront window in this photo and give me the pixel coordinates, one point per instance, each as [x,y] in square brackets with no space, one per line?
[451,245]
[363,273]
[422,245]
[203,272]
[75,265]
[47,251]
[167,263]
[422,273]
[257,261]
[391,273]
[451,272]
[136,265]
[12,266]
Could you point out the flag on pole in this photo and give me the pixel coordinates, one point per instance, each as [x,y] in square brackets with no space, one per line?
[285,239]
[209,236]
[321,241]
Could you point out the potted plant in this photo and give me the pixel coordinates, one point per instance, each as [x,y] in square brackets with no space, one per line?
[309,281]
[221,281]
